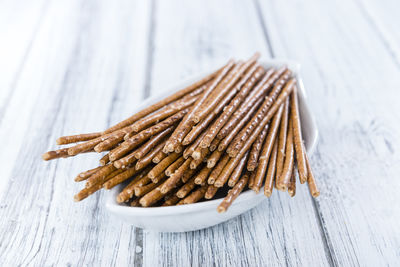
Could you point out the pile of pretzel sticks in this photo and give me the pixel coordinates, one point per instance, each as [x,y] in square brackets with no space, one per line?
[235,128]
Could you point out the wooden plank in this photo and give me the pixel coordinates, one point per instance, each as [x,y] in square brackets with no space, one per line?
[196,36]
[85,64]
[352,77]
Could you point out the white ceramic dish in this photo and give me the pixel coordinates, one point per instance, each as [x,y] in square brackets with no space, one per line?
[204,214]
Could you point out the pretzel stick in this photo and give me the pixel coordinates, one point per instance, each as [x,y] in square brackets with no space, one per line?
[213,159]
[297,136]
[228,138]
[199,154]
[257,93]
[233,194]
[217,170]
[285,176]
[266,151]
[162,103]
[64,140]
[123,176]
[86,174]
[104,160]
[55,154]
[202,176]
[238,171]
[251,179]
[269,180]
[171,182]
[160,167]
[234,147]
[159,156]
[87,191]
[128,192]
[196,162]
[255,74]
[282,140]
[256,148]
[187,175]
[171,201]
[142,190]
[214,144]
[186,124]
[139,138]
[292,183]
[99,176]
[195,195]
[211,191]
[141,163]
[186,188]
[179,148]
[174,166]
[311,180]
[216,96]
[192,147]
[151,197]
[110,141]
[135,203]
[153,141]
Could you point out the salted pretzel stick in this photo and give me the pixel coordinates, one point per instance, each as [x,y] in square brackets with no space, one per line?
[186,188]
[186,124]
[104,160]
[139,138]
[285,176]
[195,195]
[110,141]
[174,166]
[171,182]
[196,162]
[256,149]
[213,158]
[187,175]
[162,103]
[212,101]
[297,136]
[135,203]
[153,141]
[87,191]
[228,138]
[99,176]
[202,126]
[142,190]
[192,147]
[179,148]
[159,156]
[86,174]
[311,180]
[292,184]
[233,194]
[266,151]
[64,140]
[202,176]
[282,140]
[60,153]
[255,74]
[211,191]
[270,177]
[214,144]
[217,170]
[237,172]
[171,201]
[151,197]
[128,192]
[251,179]
[257,93]
[141,163]
[125,175]
[160,167]
[200,153]
[234,147]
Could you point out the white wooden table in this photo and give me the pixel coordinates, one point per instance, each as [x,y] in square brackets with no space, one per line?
[78,66]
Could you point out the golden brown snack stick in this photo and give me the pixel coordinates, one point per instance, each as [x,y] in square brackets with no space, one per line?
[233,194]
[214,144]
[217,170]
[228,138]
[59,153]
[125,175]
[213,158]
[128,192]
[297,137]
[202,176]
[186,188]
[282,140]
[86,174]
[159,157]
[172,181]
[142,190]
[257,93]
[256,149]
[266,150]
[110,141]
[198,159]
[311,180]
[151,197]
[99,176]
[251,78]
[171,201]
[292,184]
[234,147]
[174,166]
[147,159]
[104,160]
[186,124]
[187,175]
[251,179]
[211,191]
[64,140]
[270,177]
[135,203]
[139,138]
[285,176]
[160,167]
[195,195]
[237,172]
[178,148]
[153,142]
[199,152]
[162,103]
[222,89]
[192,147]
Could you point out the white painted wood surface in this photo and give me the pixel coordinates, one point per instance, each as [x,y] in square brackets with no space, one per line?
[76,66]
